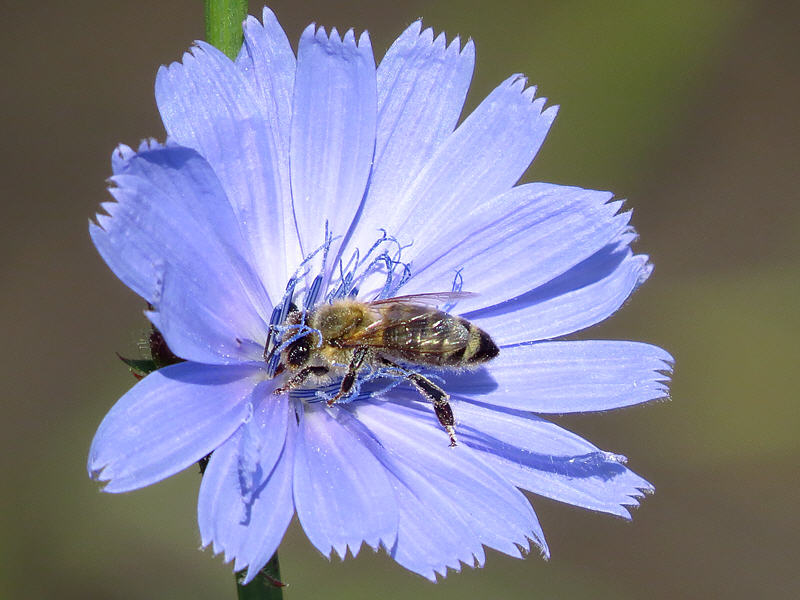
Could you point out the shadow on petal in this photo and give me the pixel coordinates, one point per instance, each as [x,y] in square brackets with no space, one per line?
[593,269]
[604,465]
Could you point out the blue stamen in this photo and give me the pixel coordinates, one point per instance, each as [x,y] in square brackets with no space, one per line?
[274,320]
[275,344]
[302,269]
[458,284]
[458,281]
[383,256]
[272,364]
[303,330]
[287,300]
[313,293]
[279,314]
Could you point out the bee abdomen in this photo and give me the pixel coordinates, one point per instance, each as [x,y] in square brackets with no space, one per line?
[479,348]
[435,338]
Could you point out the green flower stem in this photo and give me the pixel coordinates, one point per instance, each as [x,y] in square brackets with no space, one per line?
[266,585]
[224,24]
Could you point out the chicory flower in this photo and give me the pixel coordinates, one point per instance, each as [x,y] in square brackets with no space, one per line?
[288,182]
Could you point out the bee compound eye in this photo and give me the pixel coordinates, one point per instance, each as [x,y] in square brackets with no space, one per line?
[298,352]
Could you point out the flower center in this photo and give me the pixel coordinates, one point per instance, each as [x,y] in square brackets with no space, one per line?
[289,324]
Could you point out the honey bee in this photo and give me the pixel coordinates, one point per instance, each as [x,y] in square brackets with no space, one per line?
[395,335]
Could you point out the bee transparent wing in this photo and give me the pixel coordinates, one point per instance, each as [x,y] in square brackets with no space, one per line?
[411,329]
[429,299]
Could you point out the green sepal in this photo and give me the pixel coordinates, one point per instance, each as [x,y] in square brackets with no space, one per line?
[140,366]
[265,586]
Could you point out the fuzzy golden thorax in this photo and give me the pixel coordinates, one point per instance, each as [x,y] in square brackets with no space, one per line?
[339,320]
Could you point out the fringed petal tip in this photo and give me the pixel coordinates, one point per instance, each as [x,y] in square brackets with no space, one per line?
[626,510]
[518,84]
[237,565]
[666,358]
[110,483]
[534,540]
[333,41]
[645,270]
[95,470]
[348,550]
[440,572]
[341,553]
[196,51]
[201,46]
[635,496]
[267,17]
[122,154]
[429,37]
[99,468]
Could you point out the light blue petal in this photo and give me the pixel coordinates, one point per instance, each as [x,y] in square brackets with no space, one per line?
[518,241]
[586,294]
[422,84]
[567,377]
[238,472]
[342,493]
[268,61]
[436,536]
[208,104]
[480,160]
[271,513]
[245,502]
[169,420]
[538,456]
[199,324]
[333,132]
[220,507]
[120,157]
[432,537]
[481,506]
[172,229]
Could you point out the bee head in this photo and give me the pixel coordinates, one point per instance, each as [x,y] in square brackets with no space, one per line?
[297,353]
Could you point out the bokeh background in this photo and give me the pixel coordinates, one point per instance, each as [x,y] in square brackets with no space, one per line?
[688,109]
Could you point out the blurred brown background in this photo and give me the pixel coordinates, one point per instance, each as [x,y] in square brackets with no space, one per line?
[689,109]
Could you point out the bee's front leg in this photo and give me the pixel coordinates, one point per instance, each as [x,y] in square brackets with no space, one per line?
[348,381]
[299,378]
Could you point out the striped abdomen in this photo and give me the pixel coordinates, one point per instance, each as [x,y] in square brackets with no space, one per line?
[428,336]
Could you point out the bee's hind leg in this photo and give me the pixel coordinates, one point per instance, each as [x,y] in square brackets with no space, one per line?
[437,396]
[441,403]
[348,381]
